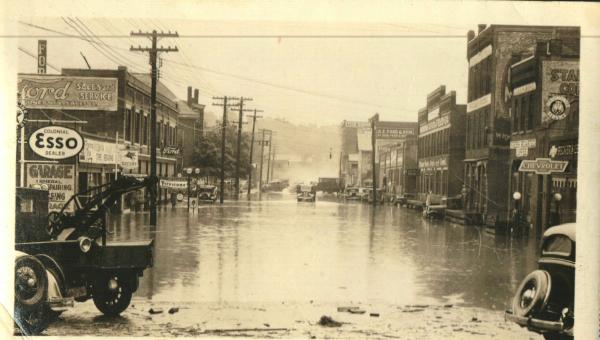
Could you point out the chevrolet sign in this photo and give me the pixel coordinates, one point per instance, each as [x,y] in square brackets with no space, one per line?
[543,166]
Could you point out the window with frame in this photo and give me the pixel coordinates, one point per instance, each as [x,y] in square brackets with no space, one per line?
[128,125]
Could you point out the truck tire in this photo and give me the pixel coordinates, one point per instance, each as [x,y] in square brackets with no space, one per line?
[31,292]
[112,292]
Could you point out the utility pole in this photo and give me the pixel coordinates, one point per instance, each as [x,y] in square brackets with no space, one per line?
[262,157]
[254,117]
[223,132]
[374,121]
[153,51]
[269,157]
[273,162]
[239,148]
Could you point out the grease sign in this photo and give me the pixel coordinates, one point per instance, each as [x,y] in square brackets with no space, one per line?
[56,142]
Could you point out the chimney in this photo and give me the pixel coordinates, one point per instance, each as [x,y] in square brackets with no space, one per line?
[470,35]
[480,28]
[196,96]
[189,96]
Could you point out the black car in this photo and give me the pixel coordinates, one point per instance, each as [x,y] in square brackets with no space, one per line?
[544,300]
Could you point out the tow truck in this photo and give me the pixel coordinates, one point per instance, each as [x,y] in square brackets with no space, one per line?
[62,258]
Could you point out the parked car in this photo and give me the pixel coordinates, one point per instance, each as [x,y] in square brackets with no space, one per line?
[544,300]
[364,193]
[380,196]
[208,193]
[351,193]
[62,258]
[307,194]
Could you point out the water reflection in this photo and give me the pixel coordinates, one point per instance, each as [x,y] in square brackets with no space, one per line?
[281,250]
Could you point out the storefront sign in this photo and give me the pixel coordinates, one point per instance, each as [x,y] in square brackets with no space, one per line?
[173,184]
[60,179]
[42,44]
[392,133]
[68,93]
[354,124]
[480,102]
[56,142]
[129,159]
[434,125]
[543,166]
[564,150]
[560,89]
[522,146]
[433,163]
[98,152]
[412,172]
[171,151]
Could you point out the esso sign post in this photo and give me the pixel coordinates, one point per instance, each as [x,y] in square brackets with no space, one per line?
[56,142]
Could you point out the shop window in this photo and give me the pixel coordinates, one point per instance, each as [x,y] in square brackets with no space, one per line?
[128,125]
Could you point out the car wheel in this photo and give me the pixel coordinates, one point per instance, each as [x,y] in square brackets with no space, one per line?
[552,336]
[112,293]
[532,293]
[31,291]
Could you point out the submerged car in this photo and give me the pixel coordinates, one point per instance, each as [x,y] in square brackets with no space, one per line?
[306,194]
[208,193]
[544,300]
[351,193]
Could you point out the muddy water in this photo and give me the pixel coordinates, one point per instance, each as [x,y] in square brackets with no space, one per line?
[278,250]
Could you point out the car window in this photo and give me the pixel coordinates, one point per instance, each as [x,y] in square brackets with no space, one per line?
[557,245]
[26,205]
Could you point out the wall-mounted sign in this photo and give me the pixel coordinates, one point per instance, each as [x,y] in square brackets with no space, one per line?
[68,93]
[433,162]
[560,89]
[522,146]
[173,184]
[99,152]
[543,166]
[56,142]
[60,179]
[392,133]
[42,56]
[129,159]
[171,151]
[564,149]
[434,125]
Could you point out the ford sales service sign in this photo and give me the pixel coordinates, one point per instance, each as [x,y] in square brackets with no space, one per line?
[56,142]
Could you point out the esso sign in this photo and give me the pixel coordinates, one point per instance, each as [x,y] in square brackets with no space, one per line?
[56,142]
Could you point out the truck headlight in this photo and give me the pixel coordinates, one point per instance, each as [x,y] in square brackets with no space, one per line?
[85,244]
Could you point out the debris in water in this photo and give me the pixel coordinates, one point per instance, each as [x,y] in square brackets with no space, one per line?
[327,321]
[375,315]
[173,310]
[448,305]
[357,311]
[155,310]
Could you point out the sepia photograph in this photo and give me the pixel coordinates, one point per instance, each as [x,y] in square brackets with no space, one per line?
[301,170]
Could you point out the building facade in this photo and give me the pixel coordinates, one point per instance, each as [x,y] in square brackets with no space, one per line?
[441,146]
[398,166]
[490,54]
[544,111]
[349,154]
[190,127]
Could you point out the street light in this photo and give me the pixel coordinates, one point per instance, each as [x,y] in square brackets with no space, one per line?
[557,198]
[188,171]
[517,213]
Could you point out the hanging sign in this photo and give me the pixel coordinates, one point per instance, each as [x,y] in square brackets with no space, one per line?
[543,166]
[173,184]
[99,152]
[42,56]
[56,142]
[129,159]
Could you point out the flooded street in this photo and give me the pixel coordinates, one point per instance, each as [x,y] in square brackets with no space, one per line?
[272,268]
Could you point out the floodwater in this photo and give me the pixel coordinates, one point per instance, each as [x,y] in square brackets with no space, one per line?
[331,252]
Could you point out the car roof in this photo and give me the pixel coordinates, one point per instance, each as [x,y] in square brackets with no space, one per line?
[567,229]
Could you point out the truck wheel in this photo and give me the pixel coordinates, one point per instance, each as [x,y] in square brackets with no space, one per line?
[31,291]
[112,293]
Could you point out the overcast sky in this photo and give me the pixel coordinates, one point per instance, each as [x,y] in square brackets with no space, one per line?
[321,80]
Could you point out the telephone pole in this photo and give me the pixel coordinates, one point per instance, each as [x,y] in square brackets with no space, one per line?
[262,157]
[153,51]
[239,148]
[273,162]
[269,157]
[223,128]
[254,117]
[374,121]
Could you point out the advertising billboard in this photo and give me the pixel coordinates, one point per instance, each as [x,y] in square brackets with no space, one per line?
[68,93]
[560,89]
[59,178]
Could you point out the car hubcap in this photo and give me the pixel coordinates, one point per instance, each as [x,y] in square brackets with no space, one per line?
[26,282]
[112,284]
[527,297]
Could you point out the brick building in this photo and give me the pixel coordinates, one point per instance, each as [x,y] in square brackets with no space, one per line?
[190,127]
[441,146]
[490,54]
[544,105]
[349,155]
[398,165]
